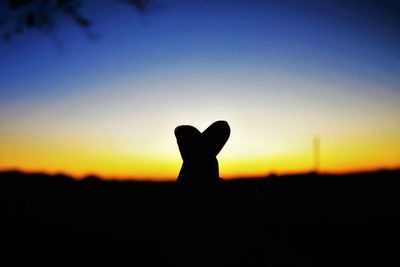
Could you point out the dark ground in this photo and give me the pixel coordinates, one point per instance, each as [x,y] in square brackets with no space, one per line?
[299,220]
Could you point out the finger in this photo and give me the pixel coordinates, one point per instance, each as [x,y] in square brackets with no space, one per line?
[188,138]
[215,137]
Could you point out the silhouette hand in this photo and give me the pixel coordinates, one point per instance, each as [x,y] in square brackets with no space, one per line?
[199,151]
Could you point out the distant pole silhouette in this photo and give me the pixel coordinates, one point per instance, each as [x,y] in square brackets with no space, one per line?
[316,152]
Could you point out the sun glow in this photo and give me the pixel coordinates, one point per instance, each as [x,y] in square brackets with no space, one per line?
[128,131]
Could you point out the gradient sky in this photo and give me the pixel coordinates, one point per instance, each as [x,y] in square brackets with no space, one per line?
[280,72]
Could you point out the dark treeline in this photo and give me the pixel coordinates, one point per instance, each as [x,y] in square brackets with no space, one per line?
[299,220]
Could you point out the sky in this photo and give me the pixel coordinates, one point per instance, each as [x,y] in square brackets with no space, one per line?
[279,72]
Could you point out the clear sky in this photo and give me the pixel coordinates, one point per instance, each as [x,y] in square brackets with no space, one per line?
[280,73]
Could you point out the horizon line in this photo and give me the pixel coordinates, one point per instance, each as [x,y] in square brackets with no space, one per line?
[171,179]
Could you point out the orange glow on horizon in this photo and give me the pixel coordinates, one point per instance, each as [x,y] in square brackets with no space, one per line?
[114,159]
[80,159]
[115,166]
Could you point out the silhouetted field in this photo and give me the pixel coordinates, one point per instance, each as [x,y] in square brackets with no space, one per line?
[299,220]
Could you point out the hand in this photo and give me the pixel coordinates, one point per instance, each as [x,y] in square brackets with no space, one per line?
[199,151]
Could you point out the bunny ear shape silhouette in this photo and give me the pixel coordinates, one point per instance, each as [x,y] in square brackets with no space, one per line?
[216,136]
[199,151]
[191,142]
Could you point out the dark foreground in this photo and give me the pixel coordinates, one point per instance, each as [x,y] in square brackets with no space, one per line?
[303,220]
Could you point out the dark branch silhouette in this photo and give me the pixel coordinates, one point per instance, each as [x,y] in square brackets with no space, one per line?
[43,16]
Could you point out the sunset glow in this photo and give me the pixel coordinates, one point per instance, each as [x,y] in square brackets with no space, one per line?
[278,77]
